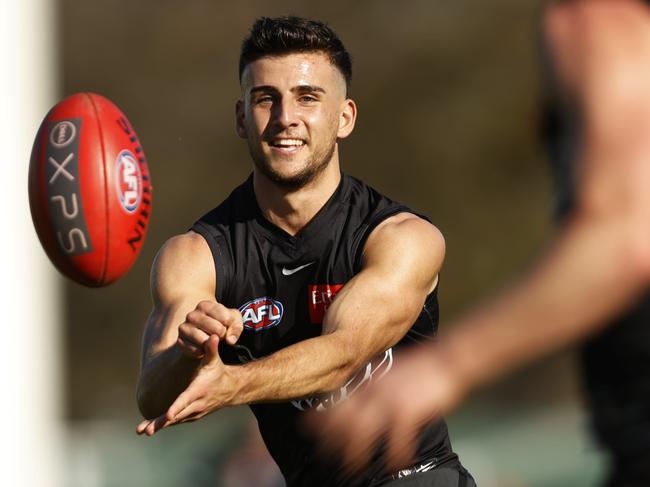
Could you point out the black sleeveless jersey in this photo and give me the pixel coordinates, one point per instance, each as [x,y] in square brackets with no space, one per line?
[283,285]
[615,362]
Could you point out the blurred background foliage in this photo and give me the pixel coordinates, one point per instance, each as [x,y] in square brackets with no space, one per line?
[449,96]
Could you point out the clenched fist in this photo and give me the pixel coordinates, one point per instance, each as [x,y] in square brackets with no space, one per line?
[207,319]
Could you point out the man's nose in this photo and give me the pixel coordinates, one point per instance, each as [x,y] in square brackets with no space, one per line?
[285,114]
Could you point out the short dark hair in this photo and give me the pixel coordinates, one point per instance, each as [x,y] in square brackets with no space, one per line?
[272,36]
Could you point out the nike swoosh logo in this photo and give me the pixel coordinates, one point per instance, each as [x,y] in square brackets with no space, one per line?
[288,272]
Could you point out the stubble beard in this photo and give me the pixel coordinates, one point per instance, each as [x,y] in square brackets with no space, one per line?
[316,164]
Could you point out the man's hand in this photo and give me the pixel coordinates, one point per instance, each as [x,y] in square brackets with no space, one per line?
[207,392]
[207,319]
[419,389]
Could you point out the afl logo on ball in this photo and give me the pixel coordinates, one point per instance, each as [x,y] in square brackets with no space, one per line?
[128,181]
[261,313]
[62,134]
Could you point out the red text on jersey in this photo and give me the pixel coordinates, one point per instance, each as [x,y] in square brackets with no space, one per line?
[320,297]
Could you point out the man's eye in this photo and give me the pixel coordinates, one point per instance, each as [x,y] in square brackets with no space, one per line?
[264,100]
[308,99]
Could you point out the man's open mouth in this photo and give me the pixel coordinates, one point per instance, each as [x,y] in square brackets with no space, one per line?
[288,144]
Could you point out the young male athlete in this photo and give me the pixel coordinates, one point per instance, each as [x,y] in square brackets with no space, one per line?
[596,268]
[244,309]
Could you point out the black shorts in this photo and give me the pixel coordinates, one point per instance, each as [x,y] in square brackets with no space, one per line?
[438,477]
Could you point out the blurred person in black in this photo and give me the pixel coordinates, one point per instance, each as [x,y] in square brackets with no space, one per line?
[615,360]
[596,268]
[244,309]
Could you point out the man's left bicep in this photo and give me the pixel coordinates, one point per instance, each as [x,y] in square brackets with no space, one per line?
[400,265]
[408,251]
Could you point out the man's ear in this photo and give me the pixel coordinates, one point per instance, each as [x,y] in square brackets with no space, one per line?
[240,126]
[347,118]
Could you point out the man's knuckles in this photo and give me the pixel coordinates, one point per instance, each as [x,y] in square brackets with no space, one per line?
[236,321]
[190,330]
[219,312]
[194,316]
[230,318]
[207,307]
[213,318]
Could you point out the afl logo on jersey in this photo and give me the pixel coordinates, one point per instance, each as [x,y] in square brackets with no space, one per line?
[261,313]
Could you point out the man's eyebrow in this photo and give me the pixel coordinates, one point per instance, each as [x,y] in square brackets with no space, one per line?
[295,89]
[263,88]
[308,89]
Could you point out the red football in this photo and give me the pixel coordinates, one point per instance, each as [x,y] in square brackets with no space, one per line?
[89,189]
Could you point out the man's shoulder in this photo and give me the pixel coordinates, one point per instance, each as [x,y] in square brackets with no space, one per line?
[183,248]
[183,260]
[408,227]
[406,243]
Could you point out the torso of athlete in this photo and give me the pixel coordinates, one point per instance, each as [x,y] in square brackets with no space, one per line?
[282,285]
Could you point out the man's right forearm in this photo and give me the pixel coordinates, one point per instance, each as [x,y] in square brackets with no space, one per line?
[163,377]
[592,271]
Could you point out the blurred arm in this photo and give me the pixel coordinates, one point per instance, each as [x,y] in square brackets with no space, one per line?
[599,263]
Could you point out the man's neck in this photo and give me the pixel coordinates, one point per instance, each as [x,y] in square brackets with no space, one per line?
[291,210]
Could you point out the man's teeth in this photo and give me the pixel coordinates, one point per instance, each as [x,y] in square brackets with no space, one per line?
[288,143]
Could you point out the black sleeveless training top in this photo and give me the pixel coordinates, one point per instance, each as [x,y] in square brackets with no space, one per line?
[283,285]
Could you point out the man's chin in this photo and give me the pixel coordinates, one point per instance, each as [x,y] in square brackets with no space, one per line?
[289,181]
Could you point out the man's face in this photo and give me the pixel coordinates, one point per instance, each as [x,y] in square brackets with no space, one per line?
[293,111]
